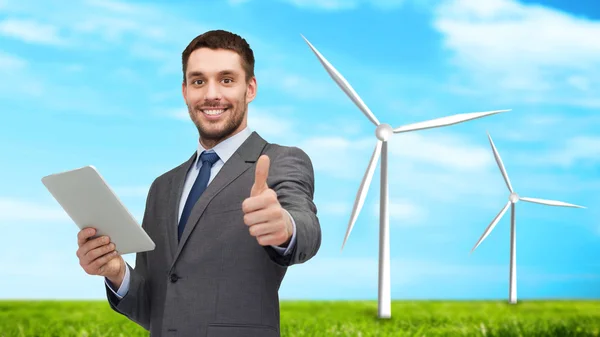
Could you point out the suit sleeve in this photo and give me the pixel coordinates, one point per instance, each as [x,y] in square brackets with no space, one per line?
[135,304]
[291,176]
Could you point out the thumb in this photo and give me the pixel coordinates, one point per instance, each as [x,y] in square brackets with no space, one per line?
[260,178]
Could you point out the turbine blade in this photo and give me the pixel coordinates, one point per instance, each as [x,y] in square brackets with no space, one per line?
[343,84]
[443,121]
[489,229]
[500,165]
[549,202]
[362,191]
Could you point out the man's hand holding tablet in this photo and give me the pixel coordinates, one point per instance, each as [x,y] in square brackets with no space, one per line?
[99,257]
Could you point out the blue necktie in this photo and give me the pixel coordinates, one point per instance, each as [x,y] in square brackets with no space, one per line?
[207,159]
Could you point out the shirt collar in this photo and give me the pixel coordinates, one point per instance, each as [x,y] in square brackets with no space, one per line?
[226,148]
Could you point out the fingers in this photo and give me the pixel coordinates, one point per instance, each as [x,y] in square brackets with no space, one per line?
[259,201]
[97,258]
[272,239]
[94,248]
[94,253]
[84,235]
[262,215]
[97,266]
[99,251]
[262,229]
[265,226]
[261,174]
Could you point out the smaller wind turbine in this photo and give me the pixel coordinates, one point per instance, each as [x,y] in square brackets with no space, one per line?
[513,198]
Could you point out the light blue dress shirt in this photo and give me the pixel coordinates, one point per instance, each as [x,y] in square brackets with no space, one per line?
[224,150]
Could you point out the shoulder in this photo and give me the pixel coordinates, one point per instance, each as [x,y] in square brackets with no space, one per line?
[165,178]
[289,162]
[277,152]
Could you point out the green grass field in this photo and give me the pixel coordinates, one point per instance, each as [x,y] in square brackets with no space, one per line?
[312,318]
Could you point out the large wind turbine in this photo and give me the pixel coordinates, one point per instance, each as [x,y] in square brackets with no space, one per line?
[513,198]
[383,133]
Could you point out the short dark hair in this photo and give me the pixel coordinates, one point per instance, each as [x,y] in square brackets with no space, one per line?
[221,39]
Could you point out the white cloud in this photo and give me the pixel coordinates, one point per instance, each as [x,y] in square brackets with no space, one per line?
[325,4]
[405,212]
[576,150]
[180,114]
[333,207]
[150,52]
[131,191]
[31,31]
[533,127]
[447,150]
[16,71]
[103,24]
[14,209]
[338,156]
[527,52]
[337,5]
[296,85]
[441,166]
[120,7]
[444,150]
[272,122]
[10,62]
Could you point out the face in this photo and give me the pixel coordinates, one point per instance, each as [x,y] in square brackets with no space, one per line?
[217,94]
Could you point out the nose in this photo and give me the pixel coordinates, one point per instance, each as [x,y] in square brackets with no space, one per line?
[213,92]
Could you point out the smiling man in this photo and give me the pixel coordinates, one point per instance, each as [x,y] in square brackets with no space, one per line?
[227,222]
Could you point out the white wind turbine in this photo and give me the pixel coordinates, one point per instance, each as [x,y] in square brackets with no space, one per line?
[383,133]
[513,198]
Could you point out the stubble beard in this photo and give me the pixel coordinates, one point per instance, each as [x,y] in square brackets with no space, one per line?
[211,135]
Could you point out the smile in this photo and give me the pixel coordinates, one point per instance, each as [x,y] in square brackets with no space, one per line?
[213,112]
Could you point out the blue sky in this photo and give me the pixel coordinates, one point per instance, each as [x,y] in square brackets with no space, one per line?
[98,82]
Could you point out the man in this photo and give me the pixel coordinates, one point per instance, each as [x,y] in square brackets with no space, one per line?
[227,222]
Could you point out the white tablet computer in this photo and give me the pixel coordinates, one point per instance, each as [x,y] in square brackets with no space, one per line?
[90,202]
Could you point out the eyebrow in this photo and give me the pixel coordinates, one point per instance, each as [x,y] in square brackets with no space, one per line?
[221,73]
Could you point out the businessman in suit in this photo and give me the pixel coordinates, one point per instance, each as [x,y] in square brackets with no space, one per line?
[227,222]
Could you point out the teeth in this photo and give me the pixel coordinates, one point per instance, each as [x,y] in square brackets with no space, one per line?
[213,112]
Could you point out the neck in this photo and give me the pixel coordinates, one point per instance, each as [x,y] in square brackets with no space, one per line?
[212,142]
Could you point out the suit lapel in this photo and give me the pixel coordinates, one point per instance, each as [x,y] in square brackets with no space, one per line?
[241,160]
[176,184]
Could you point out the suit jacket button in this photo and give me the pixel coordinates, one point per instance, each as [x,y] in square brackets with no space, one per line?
[174,278]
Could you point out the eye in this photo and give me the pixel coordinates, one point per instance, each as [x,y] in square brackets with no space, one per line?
[228,80]
[196,81]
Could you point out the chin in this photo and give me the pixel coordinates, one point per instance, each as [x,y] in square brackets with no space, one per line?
[215,130]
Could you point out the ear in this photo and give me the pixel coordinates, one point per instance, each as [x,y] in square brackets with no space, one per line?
[183,91]
[251,90]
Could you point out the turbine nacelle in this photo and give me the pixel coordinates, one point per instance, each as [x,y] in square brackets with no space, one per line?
[513,197]
[383,132]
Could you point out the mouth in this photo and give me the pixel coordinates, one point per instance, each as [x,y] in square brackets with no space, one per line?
[213,113]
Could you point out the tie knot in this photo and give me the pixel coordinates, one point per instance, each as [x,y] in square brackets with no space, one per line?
[209,157]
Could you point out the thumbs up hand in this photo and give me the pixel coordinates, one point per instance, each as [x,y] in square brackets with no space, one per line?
[267,221]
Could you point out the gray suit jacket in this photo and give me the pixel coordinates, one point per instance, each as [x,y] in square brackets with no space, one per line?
[219,281]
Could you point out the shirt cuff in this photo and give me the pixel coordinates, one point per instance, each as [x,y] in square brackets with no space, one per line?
[288,249]
[124,285]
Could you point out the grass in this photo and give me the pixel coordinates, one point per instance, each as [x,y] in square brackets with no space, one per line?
[333,318]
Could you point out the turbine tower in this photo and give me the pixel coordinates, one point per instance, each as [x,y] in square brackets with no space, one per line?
[513,198]
[383,132]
